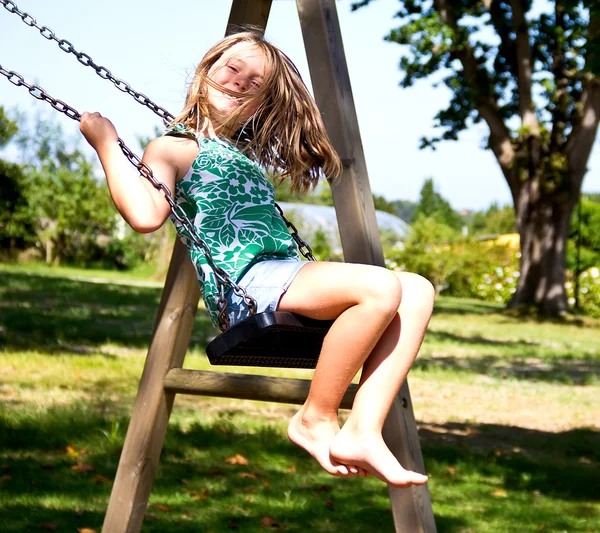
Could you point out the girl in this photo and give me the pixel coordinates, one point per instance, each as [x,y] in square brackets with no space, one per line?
[246,110]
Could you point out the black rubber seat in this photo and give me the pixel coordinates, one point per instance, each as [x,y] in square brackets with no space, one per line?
[276,339]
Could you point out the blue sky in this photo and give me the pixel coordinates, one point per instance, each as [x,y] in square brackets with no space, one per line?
[155,46]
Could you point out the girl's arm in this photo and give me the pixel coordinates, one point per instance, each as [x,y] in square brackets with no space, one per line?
[142,206]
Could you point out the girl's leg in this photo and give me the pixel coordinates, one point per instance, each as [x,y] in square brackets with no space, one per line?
[365,301]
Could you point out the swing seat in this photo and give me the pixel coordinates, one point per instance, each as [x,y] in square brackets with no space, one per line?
[279,339]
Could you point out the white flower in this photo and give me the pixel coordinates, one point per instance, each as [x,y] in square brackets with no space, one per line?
[498,286]
[509,280]
[594,272]
[584,290]
[568,285]
[571,301]
[499,271]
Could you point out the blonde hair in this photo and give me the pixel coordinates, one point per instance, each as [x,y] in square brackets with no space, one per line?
[285,134]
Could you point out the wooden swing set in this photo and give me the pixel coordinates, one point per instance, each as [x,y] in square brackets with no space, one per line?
[163,376]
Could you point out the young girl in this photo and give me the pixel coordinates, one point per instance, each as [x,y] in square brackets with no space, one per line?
[246,110]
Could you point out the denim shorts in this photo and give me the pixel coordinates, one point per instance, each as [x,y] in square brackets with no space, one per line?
[266,282]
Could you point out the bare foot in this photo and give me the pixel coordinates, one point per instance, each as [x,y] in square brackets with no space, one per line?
[369,452]
[315,438]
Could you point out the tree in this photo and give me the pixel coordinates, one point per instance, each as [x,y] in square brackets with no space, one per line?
[432,205]
[540,71]
[494,220]
[16,225]
[72,210]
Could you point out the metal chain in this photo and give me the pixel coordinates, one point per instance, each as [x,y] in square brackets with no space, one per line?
[303,246]
[87,61]
[222,278]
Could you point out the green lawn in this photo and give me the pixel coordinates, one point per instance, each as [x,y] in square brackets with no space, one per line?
[507,408]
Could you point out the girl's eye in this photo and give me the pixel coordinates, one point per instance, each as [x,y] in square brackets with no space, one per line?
[256,85]
[231,68]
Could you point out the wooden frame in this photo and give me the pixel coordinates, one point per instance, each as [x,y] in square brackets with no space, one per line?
[163,376]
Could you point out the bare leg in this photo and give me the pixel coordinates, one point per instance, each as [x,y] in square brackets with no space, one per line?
[365,301]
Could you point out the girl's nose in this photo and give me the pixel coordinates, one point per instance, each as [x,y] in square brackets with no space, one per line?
[241,85]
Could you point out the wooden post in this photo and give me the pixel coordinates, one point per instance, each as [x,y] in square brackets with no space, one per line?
[358,226]
[150,416]
[248,13]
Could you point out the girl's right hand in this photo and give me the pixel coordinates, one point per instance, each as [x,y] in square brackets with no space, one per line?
[97,130]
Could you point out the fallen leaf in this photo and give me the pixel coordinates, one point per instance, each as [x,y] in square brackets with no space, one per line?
[292,469]
[451,470]
[162,507]
[329,504]
[266,484]
[501,493]
[247,475]
[82,467]
[324,488]
[213,472]
[72,452]
[233,525]
[270,523]
[5,478]
[101,480]
[86,530]
[237,460]
[49,526]
[184,481]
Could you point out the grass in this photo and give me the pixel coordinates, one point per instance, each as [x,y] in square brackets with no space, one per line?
[507,408]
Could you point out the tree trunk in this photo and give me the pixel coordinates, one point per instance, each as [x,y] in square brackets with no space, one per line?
[543,224]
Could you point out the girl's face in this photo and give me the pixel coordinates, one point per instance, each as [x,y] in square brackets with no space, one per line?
[241,69]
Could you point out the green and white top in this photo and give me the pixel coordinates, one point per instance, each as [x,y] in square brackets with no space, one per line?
[231,203]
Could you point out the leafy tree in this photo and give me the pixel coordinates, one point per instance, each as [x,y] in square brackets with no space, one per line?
[16,226]
[404,209]
[539,71]
[71,208]
[432,205]
[585,234]
[494,220]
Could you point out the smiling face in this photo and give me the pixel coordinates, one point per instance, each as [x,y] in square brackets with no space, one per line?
[238,74]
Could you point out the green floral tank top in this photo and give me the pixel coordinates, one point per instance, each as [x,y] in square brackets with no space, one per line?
[231,203]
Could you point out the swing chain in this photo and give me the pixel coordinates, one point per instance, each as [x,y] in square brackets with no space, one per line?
[303,246]
[39,94]
[87,61]
[222,278]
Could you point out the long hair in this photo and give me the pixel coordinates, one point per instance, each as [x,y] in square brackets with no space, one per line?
[285,134]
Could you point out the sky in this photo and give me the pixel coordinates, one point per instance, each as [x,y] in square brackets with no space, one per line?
[155,46]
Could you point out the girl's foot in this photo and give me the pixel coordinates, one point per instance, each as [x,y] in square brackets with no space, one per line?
[315,437]
[368,451]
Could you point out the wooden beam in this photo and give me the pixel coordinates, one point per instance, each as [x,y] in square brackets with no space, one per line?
[150,416]
[358,227]
[244,386]
[331,84]
[246,13]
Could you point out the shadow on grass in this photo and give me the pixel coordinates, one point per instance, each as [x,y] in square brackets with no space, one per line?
[59,314]
[556,370]
[236,473]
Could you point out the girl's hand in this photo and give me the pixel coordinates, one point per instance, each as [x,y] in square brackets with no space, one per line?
[97,130]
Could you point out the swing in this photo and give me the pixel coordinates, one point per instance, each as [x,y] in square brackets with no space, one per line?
[270,339]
